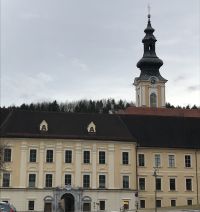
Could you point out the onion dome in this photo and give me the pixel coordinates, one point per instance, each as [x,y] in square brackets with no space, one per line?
[149,64]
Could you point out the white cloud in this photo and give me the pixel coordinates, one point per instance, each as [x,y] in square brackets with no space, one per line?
[44,77]
[78,64]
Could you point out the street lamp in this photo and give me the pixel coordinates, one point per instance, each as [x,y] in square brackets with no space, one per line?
[155,175]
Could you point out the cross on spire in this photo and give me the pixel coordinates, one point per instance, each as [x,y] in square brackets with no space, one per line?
[149,10]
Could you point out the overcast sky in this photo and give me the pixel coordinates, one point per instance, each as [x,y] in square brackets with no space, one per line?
[75,49]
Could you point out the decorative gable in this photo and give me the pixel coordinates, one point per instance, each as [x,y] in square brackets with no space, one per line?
[43,126]
[91,127]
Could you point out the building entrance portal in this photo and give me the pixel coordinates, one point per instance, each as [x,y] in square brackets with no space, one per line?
[68,202]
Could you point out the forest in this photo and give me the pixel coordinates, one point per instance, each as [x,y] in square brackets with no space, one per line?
[84,106]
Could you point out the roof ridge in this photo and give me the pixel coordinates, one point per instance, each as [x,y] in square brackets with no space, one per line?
[66,112]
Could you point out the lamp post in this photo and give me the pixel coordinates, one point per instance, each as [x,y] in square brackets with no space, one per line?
[155,175]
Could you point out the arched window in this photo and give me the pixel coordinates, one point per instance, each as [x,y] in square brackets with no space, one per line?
[43,126]
[153,100]
[91,128]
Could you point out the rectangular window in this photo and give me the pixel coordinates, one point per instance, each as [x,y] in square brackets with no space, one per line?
[32,180]
[188,183]
[142,203]
[141,160]
[102,181]
[125,204]
[86,181]
[33,155]
[68,156]
[173,202]
[49,156]
[172,184]
[142,184]
[102,205]
[31,205]
[49,179]
[68,179]
[125,181]
[158,184]
[158,203]
[7,155]
[189,202]
[86,157]
[157,160]
[102,157]
[171,161]
[6,180]
[187,161]
[125,158]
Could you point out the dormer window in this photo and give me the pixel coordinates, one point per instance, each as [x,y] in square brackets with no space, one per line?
[91,127]
[43,126]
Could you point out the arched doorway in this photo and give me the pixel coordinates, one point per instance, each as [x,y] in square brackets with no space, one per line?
[48,201]
[86,203]
[68,202]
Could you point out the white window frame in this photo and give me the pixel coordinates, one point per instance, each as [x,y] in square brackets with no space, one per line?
[89,150]
[155,160]
[174,160]
[90,180]
[144,183]
[11,157]
[175,184]
[129,181]
[52,179]
[35,179]
[102,150]
[10,179]
[105,180]
[99,204]
[68,149]
[68,173]
[191,184]
[33,148]
[28,200]
[125,151]
[139,160]
[54,155]
[161,184]
[144,203]
[190,161]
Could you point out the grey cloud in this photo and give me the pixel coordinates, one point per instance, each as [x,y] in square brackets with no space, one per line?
[180,78]
[76,49]
[194,88]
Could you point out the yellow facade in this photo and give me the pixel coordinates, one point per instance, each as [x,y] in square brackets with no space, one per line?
[180,196]
[20,168]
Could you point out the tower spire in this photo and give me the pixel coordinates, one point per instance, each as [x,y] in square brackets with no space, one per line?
[150,85]
[149,9]
[149,64]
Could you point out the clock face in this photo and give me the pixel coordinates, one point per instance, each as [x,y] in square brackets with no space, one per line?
[153,80]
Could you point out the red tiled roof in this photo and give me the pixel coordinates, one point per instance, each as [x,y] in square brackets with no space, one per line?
[161,111]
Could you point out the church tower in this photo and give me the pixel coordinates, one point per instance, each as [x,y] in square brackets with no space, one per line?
[150,85]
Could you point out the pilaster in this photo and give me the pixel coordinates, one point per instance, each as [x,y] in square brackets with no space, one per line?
[41,166]
[23,165]
[94,166]
[58,156]
[111,165]
[78,166]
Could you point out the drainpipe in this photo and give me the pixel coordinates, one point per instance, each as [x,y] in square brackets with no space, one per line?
[197,181]
[137,193]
